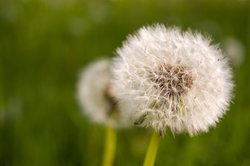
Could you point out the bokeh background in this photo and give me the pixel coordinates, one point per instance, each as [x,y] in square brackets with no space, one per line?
[45,43]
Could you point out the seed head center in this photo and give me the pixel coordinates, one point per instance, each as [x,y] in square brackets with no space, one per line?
[172,81]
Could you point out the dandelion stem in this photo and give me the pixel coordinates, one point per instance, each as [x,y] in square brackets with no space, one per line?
[152,150]
[110,146]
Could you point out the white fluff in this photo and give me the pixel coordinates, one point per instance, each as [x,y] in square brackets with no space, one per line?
[96,97]
[151,60]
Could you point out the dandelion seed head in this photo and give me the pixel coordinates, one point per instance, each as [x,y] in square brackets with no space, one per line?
[96,97]
[166,78]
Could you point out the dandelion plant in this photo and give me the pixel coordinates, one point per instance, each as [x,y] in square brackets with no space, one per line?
[166,78]
[96,97]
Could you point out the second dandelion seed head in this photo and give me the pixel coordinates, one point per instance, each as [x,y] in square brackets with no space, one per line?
[95,95]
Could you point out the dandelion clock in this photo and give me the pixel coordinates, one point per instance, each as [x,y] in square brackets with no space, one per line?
[96,97]
[168,79]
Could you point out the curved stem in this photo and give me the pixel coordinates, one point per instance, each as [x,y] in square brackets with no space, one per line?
[110,146]
[152,150]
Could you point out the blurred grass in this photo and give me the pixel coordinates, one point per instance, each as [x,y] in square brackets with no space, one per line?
[45,43]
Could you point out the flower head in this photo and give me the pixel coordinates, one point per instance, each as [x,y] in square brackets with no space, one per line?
[165,78]
[96,97]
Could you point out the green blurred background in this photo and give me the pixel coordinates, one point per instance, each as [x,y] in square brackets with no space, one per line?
[45,43]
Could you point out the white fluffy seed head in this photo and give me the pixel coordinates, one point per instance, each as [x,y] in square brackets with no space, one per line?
[96,97]
[165,78]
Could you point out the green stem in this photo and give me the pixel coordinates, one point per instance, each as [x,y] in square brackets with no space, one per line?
[152,150]
[110,146]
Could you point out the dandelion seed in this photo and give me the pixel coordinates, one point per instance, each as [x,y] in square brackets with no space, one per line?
[165,78]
